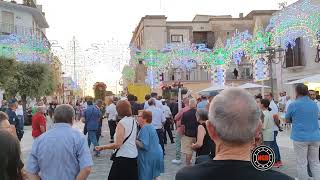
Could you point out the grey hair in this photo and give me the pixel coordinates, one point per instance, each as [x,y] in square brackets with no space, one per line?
[193,102]
[64,114]
[234,115]
[202,114]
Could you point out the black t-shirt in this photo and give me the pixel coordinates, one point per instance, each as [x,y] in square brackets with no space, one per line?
[228,170]
[189,120]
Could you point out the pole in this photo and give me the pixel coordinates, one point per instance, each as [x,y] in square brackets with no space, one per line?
[262,89]
[271,78]
[74,59]
[179,99]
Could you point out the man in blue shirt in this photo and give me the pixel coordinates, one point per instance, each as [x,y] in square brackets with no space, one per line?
[92,117]
[13,118]
[203,103]
[62,152]
[303,113]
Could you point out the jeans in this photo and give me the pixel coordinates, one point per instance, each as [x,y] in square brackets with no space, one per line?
[21,122]
[275,147]
[178,146]
[160,136]
[112,126]
[167,128]
[92,138]
[269,144]
[307,152]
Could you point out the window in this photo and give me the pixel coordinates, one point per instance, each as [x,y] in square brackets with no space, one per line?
[293,55]
[7,22]
[177,38]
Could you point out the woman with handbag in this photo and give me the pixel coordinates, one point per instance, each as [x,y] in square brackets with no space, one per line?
[124,166]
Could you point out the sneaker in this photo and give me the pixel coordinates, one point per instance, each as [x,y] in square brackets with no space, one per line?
[276,165]
[175,161]
[172,142]
[111,141]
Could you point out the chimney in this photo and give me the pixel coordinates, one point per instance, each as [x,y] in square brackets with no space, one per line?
[241,15]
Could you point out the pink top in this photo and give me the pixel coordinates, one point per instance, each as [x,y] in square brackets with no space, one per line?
[178,119]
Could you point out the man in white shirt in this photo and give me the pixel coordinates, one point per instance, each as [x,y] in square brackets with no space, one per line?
[274,111]
[158,120]
[169,119]
[111,113]
[289,101]
[313,96]
[157,102]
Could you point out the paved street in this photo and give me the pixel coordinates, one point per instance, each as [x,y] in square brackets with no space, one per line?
[103,164]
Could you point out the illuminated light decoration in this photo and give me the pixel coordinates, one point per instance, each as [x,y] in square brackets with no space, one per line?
[261,71]
[221,56]
[24,49]
[302,19]
[260,41]
[128,73]
[152,78]
[218,78]
[238,45]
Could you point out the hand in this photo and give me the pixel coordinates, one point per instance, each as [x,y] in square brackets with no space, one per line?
[99,148]
[194,147]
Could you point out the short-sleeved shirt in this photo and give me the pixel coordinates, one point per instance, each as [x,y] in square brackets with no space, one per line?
[157,117]
[167,111]
[202,104]
[92,117]
[228,170]
[304,115]
[112,111]
[60,153]
[38,120]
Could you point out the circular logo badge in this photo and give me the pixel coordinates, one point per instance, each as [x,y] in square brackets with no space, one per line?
[262,158]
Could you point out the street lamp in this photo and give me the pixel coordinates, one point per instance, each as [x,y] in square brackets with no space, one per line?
[317,59]
[271,53]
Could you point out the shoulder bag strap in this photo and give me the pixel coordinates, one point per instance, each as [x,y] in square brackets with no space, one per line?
[115,153]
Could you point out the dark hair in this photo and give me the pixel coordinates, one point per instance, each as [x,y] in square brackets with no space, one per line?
[151,102]
[266,103]
[258,96]
[147,115]
[130,97]
[203,97]
[124,108]
[64,114]
[135,98]
[302,89]
[154,94]
[11,164]
[3,116]
[89,100]
[147,97]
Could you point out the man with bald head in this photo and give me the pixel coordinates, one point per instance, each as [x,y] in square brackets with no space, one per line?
[233,126]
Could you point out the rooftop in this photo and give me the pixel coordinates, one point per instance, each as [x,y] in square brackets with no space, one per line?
[29,7]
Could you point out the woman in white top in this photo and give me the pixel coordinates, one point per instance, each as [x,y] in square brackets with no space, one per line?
[268,123]
[124,164]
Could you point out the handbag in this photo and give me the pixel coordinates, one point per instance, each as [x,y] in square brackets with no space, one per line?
[113,156]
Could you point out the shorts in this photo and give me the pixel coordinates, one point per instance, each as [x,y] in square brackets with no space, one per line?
[186,144]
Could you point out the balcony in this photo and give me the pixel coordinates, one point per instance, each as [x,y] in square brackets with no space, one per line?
[7,29]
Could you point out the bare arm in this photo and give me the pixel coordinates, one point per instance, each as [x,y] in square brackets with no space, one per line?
[84,173]
[119,139]
[33,177]
[42,129]
[139,144]
[200,137]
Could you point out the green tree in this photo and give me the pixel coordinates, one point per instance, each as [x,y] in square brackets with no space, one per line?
[8,68]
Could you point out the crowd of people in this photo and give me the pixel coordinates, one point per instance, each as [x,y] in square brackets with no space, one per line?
[220,128]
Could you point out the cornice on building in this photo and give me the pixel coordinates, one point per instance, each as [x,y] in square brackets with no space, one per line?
[37,14]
